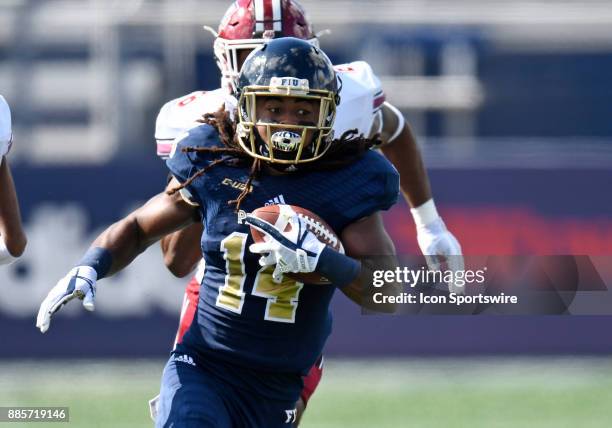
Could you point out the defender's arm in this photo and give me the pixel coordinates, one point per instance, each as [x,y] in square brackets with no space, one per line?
[182,250]
[436,242]
[12,235]
[400,147]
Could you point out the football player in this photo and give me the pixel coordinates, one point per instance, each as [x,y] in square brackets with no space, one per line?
[12,237]
[256,331]
[246,25]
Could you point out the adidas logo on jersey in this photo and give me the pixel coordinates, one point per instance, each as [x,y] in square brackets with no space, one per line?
[276,201]
[185,359]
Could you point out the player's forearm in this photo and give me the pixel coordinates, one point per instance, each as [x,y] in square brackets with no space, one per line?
[11,228]
[182,250]
[368,242]
[361,290]
[403,152]
[129,237]
[123,241]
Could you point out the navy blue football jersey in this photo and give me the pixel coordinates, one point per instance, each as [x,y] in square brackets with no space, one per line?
[243,316]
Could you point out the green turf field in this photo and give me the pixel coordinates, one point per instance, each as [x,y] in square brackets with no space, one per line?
[489,392]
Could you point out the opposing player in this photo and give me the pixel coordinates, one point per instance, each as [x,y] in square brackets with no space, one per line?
[241,362]
[12,237]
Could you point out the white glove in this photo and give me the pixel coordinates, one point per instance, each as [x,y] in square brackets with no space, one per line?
[295,251]
[6,131]
[80,282]
[440,248]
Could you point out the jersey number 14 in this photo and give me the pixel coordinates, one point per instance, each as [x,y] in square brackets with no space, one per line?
[282,298]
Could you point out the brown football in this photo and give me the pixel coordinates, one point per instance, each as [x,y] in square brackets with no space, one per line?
[314,223]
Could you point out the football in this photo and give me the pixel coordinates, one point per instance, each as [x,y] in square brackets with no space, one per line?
[314,223]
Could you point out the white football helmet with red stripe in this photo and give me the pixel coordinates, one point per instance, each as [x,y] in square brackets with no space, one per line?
[248,23]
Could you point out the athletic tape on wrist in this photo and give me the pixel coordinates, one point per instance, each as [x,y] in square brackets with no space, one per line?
[425,214]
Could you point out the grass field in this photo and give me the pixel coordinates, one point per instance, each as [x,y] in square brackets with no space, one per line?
[484,392]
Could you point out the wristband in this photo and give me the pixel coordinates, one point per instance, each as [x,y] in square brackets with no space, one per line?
[341,270]
[99,259]
[425,214]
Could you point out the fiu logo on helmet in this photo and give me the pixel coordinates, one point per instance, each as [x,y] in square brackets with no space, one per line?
[289,86]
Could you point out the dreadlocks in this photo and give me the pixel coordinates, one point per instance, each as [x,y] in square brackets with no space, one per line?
[231,153]
[343,151]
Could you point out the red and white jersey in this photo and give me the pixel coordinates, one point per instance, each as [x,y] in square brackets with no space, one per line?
[182,114]
[361,98]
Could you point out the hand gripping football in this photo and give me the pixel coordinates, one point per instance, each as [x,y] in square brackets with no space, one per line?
[314,223]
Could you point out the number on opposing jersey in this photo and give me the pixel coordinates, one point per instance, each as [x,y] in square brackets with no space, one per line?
[282,297]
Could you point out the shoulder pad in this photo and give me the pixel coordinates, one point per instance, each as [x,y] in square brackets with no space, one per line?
[385,173]
[182,164]
[182,114]
[374,188]
[361,98]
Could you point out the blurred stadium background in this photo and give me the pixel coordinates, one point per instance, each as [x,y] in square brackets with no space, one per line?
[511,103]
